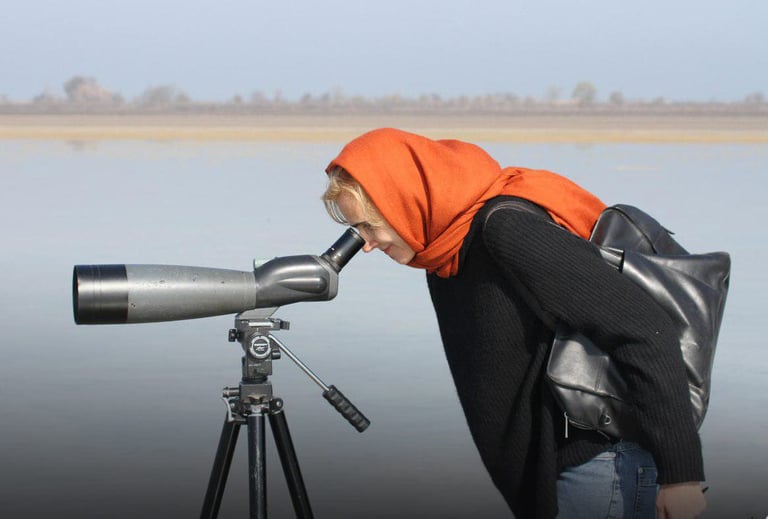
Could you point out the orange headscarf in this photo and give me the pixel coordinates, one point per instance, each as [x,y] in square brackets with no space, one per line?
[429,191]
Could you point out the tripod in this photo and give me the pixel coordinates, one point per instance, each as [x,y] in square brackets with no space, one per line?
[249,404]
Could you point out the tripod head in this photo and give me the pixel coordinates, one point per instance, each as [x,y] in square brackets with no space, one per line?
[253,331]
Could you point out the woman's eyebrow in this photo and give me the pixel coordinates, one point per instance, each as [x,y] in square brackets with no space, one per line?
[361,222]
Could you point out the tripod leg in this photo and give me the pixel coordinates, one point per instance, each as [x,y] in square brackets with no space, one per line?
[257,466]
[220,470]
[290,463]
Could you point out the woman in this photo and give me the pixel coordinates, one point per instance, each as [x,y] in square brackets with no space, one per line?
[434,205]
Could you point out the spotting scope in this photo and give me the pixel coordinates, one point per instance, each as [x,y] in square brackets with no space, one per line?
[120,294]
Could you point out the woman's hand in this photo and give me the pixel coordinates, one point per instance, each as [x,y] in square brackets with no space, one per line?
[680,501]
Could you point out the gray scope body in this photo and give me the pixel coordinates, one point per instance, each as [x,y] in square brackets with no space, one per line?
[119,294]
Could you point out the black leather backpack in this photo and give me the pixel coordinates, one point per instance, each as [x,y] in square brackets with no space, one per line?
[692,288]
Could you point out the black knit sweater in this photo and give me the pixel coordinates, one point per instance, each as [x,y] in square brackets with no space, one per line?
[497,348]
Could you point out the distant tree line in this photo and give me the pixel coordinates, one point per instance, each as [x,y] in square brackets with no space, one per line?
[85,95]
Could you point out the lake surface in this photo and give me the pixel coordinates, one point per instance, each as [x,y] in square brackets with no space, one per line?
[123,421]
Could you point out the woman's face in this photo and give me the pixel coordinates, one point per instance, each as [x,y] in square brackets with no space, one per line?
[382,237]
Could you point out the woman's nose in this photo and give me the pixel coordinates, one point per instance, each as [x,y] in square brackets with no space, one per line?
[370,242]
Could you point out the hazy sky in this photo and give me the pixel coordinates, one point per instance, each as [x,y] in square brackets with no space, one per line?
[679,49]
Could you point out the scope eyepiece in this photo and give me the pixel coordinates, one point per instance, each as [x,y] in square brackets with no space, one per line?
[339,254]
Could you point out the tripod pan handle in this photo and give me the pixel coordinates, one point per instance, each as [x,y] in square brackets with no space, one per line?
[346,408]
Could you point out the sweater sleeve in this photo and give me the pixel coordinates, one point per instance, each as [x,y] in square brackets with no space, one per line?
[572,284]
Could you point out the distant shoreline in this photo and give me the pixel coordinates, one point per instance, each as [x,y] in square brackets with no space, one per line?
[572,128]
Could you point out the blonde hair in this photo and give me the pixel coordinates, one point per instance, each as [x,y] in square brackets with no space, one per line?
[340,181]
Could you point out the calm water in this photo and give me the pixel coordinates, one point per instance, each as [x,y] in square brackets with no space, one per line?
[122,421]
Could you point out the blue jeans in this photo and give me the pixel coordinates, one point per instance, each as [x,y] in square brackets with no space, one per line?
[617,483]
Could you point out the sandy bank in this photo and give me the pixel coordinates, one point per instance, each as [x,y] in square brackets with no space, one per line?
[523,128]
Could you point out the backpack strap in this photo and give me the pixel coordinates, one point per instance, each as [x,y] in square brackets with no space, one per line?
[519,204]
[620,221]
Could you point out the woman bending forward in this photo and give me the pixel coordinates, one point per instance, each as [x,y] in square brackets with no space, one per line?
[431,205]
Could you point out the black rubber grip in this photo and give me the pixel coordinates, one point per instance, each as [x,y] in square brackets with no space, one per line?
[346,408]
